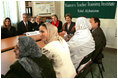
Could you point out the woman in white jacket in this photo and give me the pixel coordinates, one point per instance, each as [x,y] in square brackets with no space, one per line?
[56,49]
[82,43]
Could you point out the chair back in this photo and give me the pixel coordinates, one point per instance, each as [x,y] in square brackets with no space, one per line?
[84,60]
[84,70]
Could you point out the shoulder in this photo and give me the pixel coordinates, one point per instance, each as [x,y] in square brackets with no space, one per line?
[73,22]
[98,33]
[2,28]
[17,71]
[20,22]
[60,21]
[29,22]
[52,44]
[34,23]
[16,65]
[40,61]
[65,23]
[56,46]
[98,30]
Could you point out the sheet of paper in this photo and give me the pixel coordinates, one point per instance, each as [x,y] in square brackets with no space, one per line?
[32,33]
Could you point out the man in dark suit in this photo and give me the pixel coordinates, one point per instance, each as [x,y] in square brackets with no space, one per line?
[99,37]
[25,25]
[37,24]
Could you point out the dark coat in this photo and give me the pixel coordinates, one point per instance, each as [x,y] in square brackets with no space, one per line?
[59,27]
[71,28]
[21,28]
[36,26]
[17,70]
[5,33]
[100,42]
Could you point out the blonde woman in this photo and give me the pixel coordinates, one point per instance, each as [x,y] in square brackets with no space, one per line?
[7,30]
[56,49]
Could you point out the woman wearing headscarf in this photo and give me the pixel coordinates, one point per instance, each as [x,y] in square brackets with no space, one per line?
[56,49]
[82,43]
[31,63]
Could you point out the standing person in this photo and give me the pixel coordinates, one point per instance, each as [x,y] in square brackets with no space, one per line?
[56,49]
[69,27]
[82,43]
[99,37]
[56,23]
[25,25]
[8,30]
[37,24]
[31,63]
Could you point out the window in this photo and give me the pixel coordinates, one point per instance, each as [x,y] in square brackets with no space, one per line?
[13,10]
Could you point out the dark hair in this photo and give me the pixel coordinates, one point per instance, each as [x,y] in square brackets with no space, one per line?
[25,14]
[4,25]
[54,15]
[97,20]
[44,25]
[68,16]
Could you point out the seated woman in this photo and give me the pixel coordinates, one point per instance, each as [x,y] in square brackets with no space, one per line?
[69,27]
[56,49]
[56,23]
[31,63]
[82,43]
[7,30]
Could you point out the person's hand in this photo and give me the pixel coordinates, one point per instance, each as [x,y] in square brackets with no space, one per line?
[64,32]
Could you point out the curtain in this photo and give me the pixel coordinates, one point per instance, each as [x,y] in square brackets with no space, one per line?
[13,10]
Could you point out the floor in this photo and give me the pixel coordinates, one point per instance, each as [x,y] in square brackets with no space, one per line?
[110,65]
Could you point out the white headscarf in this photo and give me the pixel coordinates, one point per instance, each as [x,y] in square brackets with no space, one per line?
[82,34]
[82,23]
[82,43]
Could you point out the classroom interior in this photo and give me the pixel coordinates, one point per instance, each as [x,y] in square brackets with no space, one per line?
[45,9]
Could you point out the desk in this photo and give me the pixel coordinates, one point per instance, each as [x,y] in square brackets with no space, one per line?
[9,43]
[7,59]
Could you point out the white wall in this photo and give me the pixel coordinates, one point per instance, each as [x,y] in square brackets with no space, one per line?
[109,26]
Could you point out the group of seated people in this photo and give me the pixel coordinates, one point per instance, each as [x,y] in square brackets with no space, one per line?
[58,58]
[26,26]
